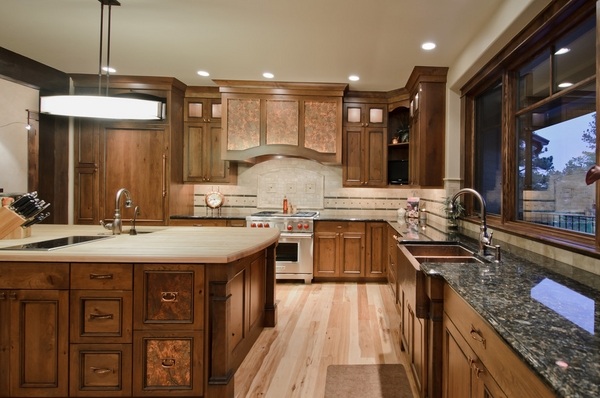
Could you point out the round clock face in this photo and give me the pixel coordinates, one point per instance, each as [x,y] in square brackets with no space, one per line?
[214,199]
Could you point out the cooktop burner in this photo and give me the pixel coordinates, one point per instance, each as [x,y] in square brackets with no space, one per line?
[273,213]
[56,243]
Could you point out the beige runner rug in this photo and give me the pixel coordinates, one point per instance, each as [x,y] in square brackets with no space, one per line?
[367,381]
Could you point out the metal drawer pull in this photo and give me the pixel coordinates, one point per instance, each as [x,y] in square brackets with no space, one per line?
[169,297]
[101,371]
[168,362]
[101,316]
[101,276]
[476,335]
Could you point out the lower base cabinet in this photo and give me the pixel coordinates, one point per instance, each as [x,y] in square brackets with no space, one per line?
[476,362]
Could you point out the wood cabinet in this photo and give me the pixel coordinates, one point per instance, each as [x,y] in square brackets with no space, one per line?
[101,305]
[364,142]
[427,88]
[294,119]
[392,265]
[202,136]
[477,362]
[34,330]
[339,250]
[414,328]
[168,337]
[375,255]
[144,157]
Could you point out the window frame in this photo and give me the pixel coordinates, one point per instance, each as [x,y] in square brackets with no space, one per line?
[558,18]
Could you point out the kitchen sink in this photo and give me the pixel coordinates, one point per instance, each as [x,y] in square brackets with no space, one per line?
[442,253]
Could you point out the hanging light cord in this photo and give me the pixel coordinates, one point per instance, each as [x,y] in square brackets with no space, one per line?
[102,4]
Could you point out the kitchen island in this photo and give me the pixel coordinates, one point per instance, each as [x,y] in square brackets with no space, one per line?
[169,311]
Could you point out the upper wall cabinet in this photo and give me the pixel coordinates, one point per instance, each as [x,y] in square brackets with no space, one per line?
[427,133]
[292,119]
[202,162]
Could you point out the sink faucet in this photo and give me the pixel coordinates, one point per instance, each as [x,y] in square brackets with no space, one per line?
[117,225]
[485,238]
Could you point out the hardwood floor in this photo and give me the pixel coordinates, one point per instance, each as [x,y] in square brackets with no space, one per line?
[319,325]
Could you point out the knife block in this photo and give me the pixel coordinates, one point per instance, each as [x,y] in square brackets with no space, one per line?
[10,225]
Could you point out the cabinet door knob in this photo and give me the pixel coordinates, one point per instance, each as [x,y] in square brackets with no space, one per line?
[168,362]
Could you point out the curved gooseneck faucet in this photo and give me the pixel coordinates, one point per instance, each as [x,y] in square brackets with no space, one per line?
[117,225]
[485,239]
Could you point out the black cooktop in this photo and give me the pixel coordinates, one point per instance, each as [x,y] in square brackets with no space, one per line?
[57,243]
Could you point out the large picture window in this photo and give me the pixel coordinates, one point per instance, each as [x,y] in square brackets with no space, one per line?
[543,139]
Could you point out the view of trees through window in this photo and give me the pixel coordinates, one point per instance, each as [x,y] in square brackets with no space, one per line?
[553,161]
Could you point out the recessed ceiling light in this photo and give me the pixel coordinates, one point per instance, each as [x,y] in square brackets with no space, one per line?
[268,75]
[109,70]
[562,51]
[428,46]
[203,73]
[353,78]
[565,84]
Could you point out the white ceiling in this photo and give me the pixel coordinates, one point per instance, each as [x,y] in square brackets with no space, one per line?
[297,40]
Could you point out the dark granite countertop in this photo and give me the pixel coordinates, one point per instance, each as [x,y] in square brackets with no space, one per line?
[550,320]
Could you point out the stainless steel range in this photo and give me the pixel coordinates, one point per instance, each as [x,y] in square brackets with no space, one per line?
[294,254]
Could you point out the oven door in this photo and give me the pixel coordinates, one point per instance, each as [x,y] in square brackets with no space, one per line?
[294,256]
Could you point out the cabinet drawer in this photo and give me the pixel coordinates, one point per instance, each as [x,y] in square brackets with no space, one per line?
[169,297]
[168,362]
[101,276]
[339,226]
[16,275]
[100,316]
[514,376]
[100,369]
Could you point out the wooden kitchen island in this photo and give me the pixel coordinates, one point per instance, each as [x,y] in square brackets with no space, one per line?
[171,311]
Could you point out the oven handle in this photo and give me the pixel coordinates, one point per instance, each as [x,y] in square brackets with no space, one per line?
[299,235]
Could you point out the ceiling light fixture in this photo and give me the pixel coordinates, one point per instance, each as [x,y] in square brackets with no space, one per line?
[99,106]
[203,73]
[353,78]
[268,75]
[428,46]
[562,50]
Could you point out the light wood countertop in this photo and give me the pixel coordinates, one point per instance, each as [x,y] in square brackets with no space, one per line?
[164,245]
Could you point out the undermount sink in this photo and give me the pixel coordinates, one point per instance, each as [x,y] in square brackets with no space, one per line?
[442,253]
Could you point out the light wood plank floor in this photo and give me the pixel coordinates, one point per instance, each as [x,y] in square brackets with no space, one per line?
[319,325]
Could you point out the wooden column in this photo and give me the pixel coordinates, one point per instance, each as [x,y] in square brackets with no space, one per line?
[270,304]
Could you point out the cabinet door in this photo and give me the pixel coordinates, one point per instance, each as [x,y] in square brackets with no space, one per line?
[169,297]
[365,115]
[464,374]
[375,157]
[352,159]
[39,336]
[326,256]
[168,363]
[376,253]
[136,159]
[352,254]
[202,154]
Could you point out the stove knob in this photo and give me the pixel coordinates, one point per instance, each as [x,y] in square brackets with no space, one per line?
[299,225]
[253,225]
[267,225]
[259,225]
[290,227]
[306,226]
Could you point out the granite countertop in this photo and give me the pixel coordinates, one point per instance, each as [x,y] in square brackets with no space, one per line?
[550,320]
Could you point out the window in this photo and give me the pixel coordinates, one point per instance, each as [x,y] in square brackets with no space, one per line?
[532,151]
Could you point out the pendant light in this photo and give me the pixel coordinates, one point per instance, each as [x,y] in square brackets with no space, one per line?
[103,106]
